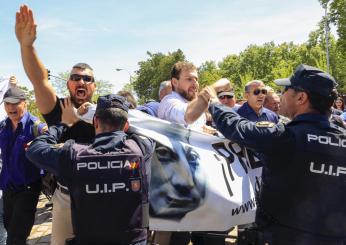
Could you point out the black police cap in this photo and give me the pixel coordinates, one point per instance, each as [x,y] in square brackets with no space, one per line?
[311,79]
[112,101]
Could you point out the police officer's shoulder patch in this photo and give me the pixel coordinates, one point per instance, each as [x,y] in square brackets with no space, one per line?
[265,124]
[60,145]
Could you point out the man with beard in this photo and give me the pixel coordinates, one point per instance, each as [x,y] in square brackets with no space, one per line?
[178,107]
[81,85]
[173,107]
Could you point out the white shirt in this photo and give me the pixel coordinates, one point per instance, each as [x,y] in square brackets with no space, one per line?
[173,107]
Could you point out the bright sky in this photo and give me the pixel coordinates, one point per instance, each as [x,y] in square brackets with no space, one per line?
[111,34]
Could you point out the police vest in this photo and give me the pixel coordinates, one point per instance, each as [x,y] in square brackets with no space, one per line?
[109,195]
[307,192]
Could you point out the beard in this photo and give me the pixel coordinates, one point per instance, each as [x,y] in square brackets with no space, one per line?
[186,95]
[78,102]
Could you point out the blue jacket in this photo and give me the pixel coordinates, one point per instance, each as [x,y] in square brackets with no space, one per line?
[303,178]
[265,114]
[17,171]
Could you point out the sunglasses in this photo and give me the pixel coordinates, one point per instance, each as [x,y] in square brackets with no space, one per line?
[225,96]
[86,78]
[258,91]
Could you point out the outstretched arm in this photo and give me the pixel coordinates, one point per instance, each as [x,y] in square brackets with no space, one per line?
[26,34]
[198,106]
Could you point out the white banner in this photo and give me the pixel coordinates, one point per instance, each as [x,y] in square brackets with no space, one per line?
[198,182]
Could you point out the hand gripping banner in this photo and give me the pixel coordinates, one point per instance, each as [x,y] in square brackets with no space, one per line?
[199,182]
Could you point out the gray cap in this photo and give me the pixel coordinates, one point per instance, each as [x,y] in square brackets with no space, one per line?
[14,95]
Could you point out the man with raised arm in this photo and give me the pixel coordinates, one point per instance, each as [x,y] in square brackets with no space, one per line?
[81,85]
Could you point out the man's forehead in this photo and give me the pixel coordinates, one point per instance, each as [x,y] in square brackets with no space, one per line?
[189,72]
[85,71]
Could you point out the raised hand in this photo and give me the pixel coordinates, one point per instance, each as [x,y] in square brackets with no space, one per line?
[68,115]
[25,26]
[13,81]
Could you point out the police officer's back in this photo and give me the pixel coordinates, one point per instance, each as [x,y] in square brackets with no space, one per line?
[108,180]
[302,198]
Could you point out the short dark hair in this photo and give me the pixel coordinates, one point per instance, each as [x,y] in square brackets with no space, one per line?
[82,66]
[322,103]
[318,102]
[129,97]
[179,67]
[113,118]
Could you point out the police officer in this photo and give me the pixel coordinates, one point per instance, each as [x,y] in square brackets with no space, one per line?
[108,179]
[302,198]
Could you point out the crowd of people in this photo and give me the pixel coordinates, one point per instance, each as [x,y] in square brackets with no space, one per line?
[103,168]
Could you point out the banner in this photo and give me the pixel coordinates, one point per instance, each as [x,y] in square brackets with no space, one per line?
[199,182]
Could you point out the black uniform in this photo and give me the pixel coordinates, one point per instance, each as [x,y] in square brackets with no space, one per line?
[302,198]
[108,182]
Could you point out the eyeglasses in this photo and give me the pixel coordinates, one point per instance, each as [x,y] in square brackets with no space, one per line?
[258,91]
[77,77]
[225,96]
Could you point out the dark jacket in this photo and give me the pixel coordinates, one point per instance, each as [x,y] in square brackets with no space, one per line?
[304,170]
[108,182]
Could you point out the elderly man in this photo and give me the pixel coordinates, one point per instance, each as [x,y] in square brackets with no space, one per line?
[272,100]
[81,85]
[152,107]
[252,109]
[20,180]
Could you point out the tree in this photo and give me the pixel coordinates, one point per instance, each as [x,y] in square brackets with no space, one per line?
[208,73]
[337,12]
[152,72]
[31,102]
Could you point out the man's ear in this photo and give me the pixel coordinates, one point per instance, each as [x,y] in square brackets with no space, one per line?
[302,98]
[174,83]
[95,122]
[246,95]
[126,127]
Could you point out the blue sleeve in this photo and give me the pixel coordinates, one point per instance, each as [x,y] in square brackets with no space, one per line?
[343,116]
[257,136]
[47,154]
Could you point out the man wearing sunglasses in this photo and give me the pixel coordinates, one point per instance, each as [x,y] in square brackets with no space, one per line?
[252,109]
[81,86]
[227,98]
[302,197]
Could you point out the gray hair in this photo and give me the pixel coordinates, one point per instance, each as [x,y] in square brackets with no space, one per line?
[253,82]
[163,85]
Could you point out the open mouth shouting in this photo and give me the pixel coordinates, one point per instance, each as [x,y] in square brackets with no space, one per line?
[81,93]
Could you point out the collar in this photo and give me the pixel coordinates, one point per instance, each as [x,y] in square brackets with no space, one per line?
[104,141]
[23,121]
[248,108]
[312,117]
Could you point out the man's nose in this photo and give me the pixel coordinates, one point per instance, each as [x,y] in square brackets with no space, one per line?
[182,179]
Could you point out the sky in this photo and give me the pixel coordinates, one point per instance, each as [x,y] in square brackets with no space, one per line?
[110,34]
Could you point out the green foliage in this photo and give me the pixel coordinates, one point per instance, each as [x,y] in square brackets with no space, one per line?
[208,73]
[338,17]
[31,102]
[102,88]
[59,83]
[152,72]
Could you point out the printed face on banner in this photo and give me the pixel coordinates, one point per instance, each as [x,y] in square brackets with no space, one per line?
[177,182]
